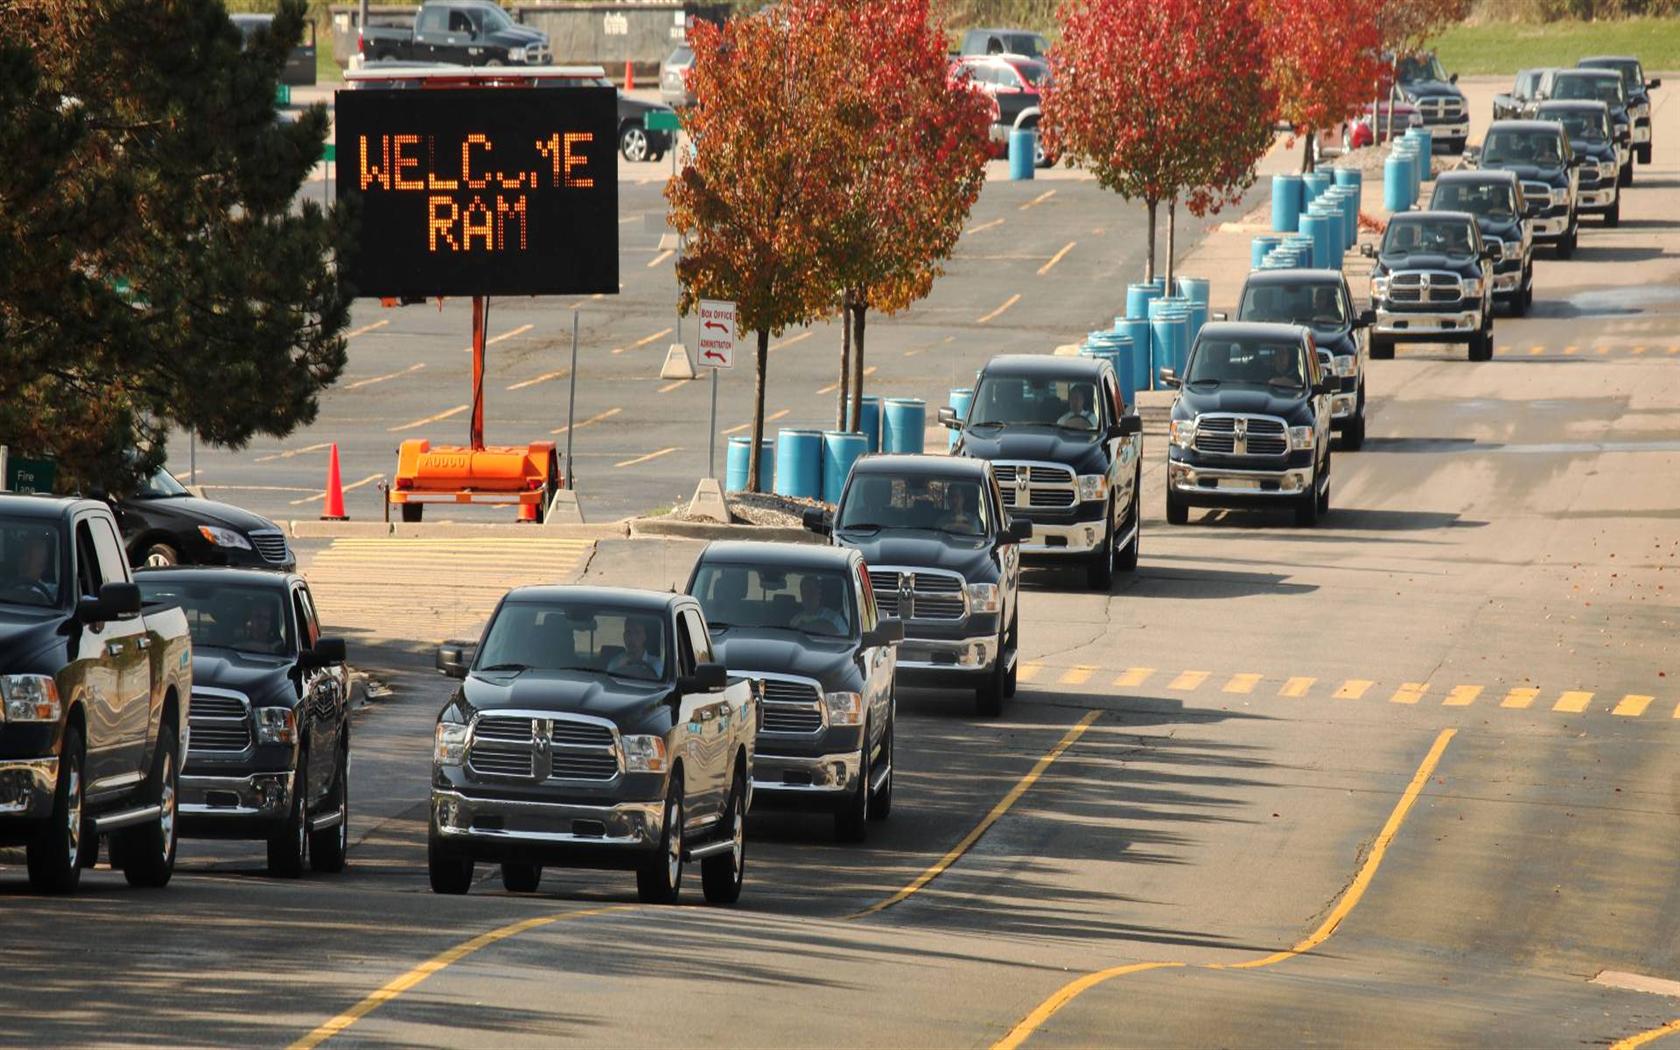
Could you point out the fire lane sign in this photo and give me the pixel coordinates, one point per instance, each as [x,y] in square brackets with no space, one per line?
[717,334]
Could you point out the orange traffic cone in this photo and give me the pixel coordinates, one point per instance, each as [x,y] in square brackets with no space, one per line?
[529,512]
[629,77]
[334,509]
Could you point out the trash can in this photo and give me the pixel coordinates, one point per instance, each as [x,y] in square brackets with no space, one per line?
[1137,329]
[1397,181]
[799,463]
[1257,249]
[869,421]
[904,425]
[840,449]
[1138,298]
[1022,145]
[735,464]
[959,398]
[1286,202]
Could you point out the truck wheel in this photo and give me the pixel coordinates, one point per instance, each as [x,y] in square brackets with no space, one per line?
[1012,646]
[160,555]
[1178,511]
[880,801]
[1353,431]
[1127,560]
[412,512]
[1099,570]
[1481,346]
[1306,507]
[1643,153]
[988,697]
[722,873]
[1624,178]
[633,143]
[1324,494]
[659,879]
[1613,216]
[521,878]
[450,874]
[55,854]
[288,846]
[148,851]
[1381,349]
[329,848]
[849,821]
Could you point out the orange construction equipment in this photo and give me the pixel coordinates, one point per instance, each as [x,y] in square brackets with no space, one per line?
[527,476]
[333,509]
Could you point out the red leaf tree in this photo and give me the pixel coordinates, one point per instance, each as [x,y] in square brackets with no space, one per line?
[1163,100]
[1325,57]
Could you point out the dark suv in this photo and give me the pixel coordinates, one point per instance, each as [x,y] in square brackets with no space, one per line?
[1638,91]
[1539,154]
[1251,422]
[1495,198]
[1597,177]
[1433,283]
[1068,455]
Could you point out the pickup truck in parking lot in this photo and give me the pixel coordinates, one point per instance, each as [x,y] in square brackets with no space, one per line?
[593,727]
[94,698]
[1590,85]
[1423,83]
[1495,198]
[1515,104]
[1432,283]
[1068,456]
[803,621]
[944,558]
[1598,168]
[1539,154]
[458,32]
[1638,91]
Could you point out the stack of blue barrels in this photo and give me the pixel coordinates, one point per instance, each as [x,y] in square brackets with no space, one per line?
[1258,249]
[1169,324]
[1117,349]
[1194,290]
[813,464]
[959,398]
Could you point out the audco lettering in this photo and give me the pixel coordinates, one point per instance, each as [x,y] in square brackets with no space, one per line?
[475,193]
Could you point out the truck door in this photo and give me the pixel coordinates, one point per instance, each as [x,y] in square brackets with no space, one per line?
[318,712]
[877,660]
[431,34]
[709,724]
[119,716]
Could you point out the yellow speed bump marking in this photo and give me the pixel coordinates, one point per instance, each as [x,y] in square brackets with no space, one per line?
[748,426]
[645,340]
[1634,1042]
[1188,681]
[442,961]
[1241,683]
[608,414]
[1028,671]
[371,380]
[1632,705]
[1353,689]
[1462,696]
[1054,259]
[440,417]
[992,816]
[1040,199]
[1133,677]
[1520,698]
[1076,675]
[1024,1029]
[644,459]
[1409,693]
[1573,702]
[1296,687]
[365,329]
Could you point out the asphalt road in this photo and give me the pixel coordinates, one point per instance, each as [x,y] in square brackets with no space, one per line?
[1408,778]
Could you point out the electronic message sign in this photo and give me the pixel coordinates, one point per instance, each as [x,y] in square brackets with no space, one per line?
[481,191]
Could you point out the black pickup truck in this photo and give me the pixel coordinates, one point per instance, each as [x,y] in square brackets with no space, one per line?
[1515,104]
[803,620]
[458,32]
[1433,283]
[1638,91]
[1594,85]
[269,756]
[1250,426]
[593,727]
[1068,455]
[1598,166]
[1495,198]
[944,557]
[1539,154]
[94,698]
[1435,94]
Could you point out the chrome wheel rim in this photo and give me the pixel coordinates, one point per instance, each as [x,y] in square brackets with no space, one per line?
[673,847]
[739,839]
[166,799]
[635,144]
[157,559]
[73,814]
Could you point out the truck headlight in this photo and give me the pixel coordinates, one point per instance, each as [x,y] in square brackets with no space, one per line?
[982,597]
[1302,437]
[1182,432]
[1093,487]
[1512,249]
[1607,169]
[516,54]
[1344,365]
[29,698]
[217,536]
[1471,287]
[1379,287]
[645,754]
[449,743]
[844,709]
[276,725]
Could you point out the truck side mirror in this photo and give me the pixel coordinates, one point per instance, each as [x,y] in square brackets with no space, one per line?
[1020,530]
[453,658]
[1328,385]
[889,630]
[818,521]
[1452,78]
[948,418]
[115,601]
[1127,426]
[1170,378]
[1367,318]
[326,652]
[1368,250]
[1652,85]
[707,678]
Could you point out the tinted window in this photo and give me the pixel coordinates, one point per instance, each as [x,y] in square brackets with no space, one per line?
[1633,77]
[1248,362]
[1317,304]
[576,636]
[1586,127]
[248,617]
[160,486]
[882,501]
[113,564]
[1421,67]
[1034,73]
[1512,146]
[1434,238]
[1071,404]
[432,20]
[31,562]
[1488,199]
[814,602]
[1591,88]
[494,19]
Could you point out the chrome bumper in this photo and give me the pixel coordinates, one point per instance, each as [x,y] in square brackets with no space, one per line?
[1455,322]
[826,774]
[27,786]
[1342,406]
[1507,282]
[1556,226]
[1642,134]
[261,796]
[1182,477]
[947,654]
[626,825]
[1080,537]
[1597,198]
[1448,131]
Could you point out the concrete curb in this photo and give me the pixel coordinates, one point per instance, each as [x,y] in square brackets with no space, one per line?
[708,530]
[342,530]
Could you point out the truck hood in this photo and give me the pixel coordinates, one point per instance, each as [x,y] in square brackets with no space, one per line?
[1420,89]
[517,35]
[258,676]
[24,634]
[1498,229]
[1077,449]
[620,700]
[1426,261]
[743,649]
[1554,176]
[192,510]
[924,548]
[1247,400]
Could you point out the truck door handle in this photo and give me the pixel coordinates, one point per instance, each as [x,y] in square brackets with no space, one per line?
[145,642]
[114,648]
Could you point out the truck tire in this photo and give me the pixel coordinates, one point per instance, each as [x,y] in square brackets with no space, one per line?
[521,878]
[1353,431]
[721,874]
[450,873]
[1624,178]
[1613,215]
[1306,507]
[1127,559]
[851,820]
[1642,153]
[55,854]
[880,801]
[659,878]
[1178,511]
[148,850]
[989,695]
[1481,346]
[1012,646]
[160,555]
[412,512]
[1099,569]
[329,848]
[1382,349]
[288,846]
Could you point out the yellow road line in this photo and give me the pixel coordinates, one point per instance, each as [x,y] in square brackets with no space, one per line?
[365,329]
[1601,350]
[1632,705]
[1409,693]
[644,459]
[608,414]
[1570,351]
[1024,1029]
[1242,683]
[521,330]
[1296,687]
[1076,675]
[1134,677]
[638,344]
[1519,698]
[672,385]
[992,816]
[534,380]
[1054,259]
[1040,199]
[1352,689]
[1007,303]
[985,226]
[358,384]
[1634,1042]
[1188,680]
[395,987]
[457,410]
[370,479]
[741,428]
[289,453]
[1462,696]
[1027,672]
[1536,351]
[1640,349]
[832,387]
[1573,702]
[792,339]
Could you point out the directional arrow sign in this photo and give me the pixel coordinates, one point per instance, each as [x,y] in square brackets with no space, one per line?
[717,334]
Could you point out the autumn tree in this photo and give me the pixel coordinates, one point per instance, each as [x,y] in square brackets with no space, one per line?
[1324,57]
[764,178]
[1162,100]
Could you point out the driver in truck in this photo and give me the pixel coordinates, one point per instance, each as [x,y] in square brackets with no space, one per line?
[815,615]
[1079,414]
[32,573]
[635,657]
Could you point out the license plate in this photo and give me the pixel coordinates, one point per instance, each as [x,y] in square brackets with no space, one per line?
[1239,483]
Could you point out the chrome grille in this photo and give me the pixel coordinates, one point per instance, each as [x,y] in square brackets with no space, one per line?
[502,760]
[510,730]
[1537,197]
[1241,435]
[1044,486]
[579,766]
[581,734]
[791,705]
[1425,288]
[270,543]
[535,746]
[934,594]
[218,722]
[1436,110]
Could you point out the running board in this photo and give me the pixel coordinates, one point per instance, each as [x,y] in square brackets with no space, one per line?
[327,820]
[710,849]
[126,819]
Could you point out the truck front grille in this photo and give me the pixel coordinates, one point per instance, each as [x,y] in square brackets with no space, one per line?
[791,705]
[1425,288]
[919,594]
[218,723]
[503,760]
[1043,486]
[538,747]
[1235,435]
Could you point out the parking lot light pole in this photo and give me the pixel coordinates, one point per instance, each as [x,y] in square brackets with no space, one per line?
[571,405]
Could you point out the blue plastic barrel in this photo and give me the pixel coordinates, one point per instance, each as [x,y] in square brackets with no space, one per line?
[959,398]
[1286,202]
[1313,184]
[1258,247]
[1420,161]
[1138,298]
[1397,182]
[1352,178]
[1137,328]
[1198,317]
[840,450]
[1195,289]
[1426,144]
[869,421]
[1169,324]
[1332,215]
[1408,148]
[904,425]
[735,464]
[1117,350]
[799,463]
[1022,144]
[1313,226]
[1348,198]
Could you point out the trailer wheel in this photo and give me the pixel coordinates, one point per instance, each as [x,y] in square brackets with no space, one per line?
[413,511]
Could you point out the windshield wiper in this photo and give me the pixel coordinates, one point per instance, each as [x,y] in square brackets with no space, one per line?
[505,667]
[718,625]
[861,525]
[987,423]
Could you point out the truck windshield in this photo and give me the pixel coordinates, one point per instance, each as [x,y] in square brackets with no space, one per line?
[1605,88]
[1510,146]
[1489,200]
[1421,67]
[576,636]
[1247,362]
[881,501]
[1580,125]
[244,616]
[1633,75]
[814,602]
[31,562]
[1317,304]
[1432,238]
[1006,401]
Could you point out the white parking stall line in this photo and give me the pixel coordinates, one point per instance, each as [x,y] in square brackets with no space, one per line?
[358,384]
[457,410]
